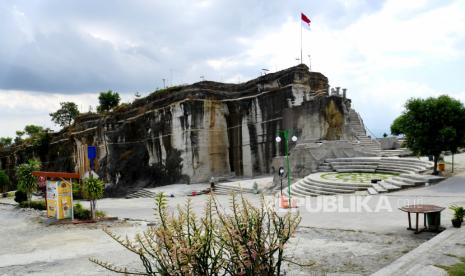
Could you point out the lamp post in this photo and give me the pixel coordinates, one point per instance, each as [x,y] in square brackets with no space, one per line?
[285,135]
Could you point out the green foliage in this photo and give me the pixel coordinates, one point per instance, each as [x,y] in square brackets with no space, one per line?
[34,204]
[84,214]
[108,100]
[93,189]
[5,142]
[26,181]
[81,212]
[457,269]
[459,212]
[20,196]
[432,125]
[385,135]
[4,181]
[66,114]
[36,135]
[249,240]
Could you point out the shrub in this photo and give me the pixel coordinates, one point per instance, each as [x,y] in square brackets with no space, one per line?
[20,196]
[4,181]
[26,181]
[80,212]
[249,241]
[34,204]
[93,189]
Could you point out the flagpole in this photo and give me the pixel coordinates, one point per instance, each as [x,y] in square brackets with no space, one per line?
[300,42]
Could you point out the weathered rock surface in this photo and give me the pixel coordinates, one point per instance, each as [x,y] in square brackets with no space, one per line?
[190,133]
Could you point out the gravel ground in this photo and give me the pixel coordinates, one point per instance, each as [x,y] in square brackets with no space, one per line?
[339,252]
[31,247]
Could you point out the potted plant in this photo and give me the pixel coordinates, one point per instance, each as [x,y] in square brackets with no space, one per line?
[459,213]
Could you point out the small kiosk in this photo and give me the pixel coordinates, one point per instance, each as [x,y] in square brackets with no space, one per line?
[58,193]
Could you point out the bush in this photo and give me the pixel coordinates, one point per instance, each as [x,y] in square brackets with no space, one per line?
[81,212]
[4,181]
[20,196]
[34,204]
[249,241]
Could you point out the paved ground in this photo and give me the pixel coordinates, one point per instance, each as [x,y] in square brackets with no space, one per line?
[346,240]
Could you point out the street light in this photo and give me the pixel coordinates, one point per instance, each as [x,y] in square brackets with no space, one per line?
[285,135]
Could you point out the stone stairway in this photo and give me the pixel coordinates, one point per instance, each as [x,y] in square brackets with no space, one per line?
[376,164]
[225,189]
[365,142]
[409,170]
[142,193]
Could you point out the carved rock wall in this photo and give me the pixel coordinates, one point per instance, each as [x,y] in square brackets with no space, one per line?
[190,133]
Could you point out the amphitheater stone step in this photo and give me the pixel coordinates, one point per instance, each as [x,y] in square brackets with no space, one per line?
[425,178]
[331,186]
[398,183]
[414,182]
[324,190]
[378,188]
[389,187]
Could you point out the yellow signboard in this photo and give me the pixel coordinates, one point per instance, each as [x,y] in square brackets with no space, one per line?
[65,201]
[51,198]
[59,199]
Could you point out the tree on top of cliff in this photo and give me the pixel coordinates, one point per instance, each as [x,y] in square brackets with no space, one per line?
[108,100]
[66,114]
[432,125]
[5,142]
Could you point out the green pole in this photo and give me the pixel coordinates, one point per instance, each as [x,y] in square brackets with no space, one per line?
[286,149]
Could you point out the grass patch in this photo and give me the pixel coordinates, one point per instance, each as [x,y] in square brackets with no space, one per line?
[457,269]
[356,177]
[35,204]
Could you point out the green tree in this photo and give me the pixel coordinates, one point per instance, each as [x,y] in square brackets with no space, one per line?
[4,181]
[432,125]
[93,189]
[19,136]
[108,100]
[26,181]
[5,142]
[66,114]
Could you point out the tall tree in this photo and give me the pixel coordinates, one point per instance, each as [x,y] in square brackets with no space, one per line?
[108,100]
[66,114]
[5,142]
[432,125]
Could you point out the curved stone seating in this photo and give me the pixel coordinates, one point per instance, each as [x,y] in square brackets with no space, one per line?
[407,169]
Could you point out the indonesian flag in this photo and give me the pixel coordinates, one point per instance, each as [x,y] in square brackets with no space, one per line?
[305,20]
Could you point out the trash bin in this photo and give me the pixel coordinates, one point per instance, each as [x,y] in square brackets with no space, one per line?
[434,221]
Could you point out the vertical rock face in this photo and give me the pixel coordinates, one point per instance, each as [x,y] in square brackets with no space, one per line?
[193,132]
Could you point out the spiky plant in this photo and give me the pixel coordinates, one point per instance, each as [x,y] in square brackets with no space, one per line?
[250,241]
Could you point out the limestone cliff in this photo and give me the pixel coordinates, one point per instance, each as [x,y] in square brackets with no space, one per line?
[190,133]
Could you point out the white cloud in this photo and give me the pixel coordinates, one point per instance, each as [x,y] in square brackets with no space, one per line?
[21,108]
[365,55]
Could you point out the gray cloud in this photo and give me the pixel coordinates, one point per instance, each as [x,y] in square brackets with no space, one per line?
[88,46]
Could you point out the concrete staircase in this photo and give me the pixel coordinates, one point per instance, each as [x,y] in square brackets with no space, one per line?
[409,170]
[224,189]
[142,193]
[366,143]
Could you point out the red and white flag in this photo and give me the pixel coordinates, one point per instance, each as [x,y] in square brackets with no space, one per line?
[305,20]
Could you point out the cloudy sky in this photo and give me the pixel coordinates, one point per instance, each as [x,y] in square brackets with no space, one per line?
[384,52]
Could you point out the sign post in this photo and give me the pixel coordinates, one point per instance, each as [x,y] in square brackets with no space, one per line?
[91,154]
[58,193]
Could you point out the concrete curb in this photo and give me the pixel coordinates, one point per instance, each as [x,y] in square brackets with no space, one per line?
[411,259]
